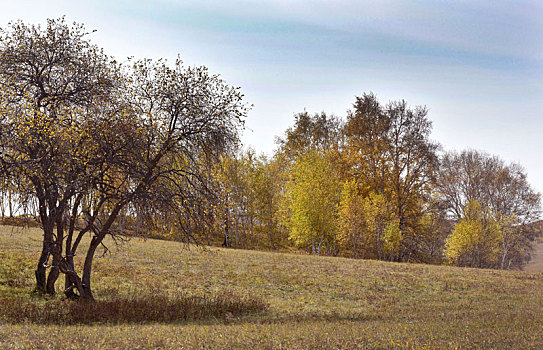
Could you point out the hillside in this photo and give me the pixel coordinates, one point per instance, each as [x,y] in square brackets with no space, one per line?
[250,300]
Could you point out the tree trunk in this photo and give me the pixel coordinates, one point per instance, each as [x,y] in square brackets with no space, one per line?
[3,207]
[95,242]
[69,283]
[56,252]
[320,244]
[354,247]
[226,242]
[46,252]
[41,269]
[378,236]
[87,268]
[505,253]
[72,279]
[10,205]
[269,226]
[138,221]
[53,276]
[270,235]
[250,234]
[236,234]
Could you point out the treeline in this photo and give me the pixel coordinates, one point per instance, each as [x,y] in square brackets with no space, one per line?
[372,186]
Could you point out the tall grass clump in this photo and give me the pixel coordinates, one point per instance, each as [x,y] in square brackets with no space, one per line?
[143,307]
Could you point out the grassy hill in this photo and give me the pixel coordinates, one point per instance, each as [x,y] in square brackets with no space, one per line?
[159,294]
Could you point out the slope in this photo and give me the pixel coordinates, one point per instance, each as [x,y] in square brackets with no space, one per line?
[310,302]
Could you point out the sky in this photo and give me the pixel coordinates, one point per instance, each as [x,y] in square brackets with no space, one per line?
[476,65]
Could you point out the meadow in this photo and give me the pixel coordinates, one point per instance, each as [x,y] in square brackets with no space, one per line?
[154,294]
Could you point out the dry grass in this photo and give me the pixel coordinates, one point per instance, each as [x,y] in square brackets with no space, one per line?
[140,308]
[314,302]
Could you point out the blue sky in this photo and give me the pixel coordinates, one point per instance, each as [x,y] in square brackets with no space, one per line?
[477,65]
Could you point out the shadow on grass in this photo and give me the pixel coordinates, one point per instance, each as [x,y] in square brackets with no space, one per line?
[145,308]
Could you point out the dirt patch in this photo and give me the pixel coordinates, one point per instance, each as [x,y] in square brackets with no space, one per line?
[536,264]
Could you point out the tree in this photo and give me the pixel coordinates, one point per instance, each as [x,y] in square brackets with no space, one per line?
[387,149]
[319,133]
[54,84]
[184,114]
[370,223]
[236,196]
[431,232]
[249,189]
[307,155]
[475,241]
[311,202]
[502,188]
[383,227]
[96,141]
[265,180]
[352,220]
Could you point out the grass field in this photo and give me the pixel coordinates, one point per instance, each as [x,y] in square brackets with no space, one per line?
[223,299]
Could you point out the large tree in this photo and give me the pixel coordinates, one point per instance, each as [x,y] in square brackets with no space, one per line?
[308,157]
[97,141]
[184,115]
[55,91]
[387,149]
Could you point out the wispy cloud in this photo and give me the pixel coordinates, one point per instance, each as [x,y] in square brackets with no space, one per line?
[489,35]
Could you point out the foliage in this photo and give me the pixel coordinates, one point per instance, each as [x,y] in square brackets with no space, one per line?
[475,241]
[352,220]
[55,92]
[387,150]
[369,223]
[503,189]
[312,199]
[243,205]
[89,146]
[265,181]
[317,133]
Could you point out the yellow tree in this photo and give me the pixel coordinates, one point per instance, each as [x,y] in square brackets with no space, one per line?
[312,199]
[475,240]
[473,175]
[382,226]
[369,225]
[265,180]
[352,220]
